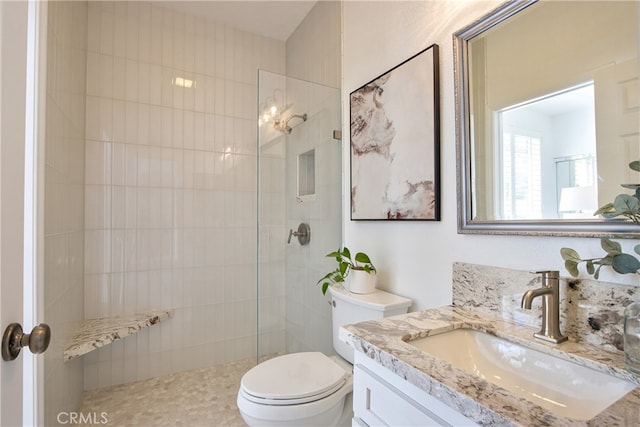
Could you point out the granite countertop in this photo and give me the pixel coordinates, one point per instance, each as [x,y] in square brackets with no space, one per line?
[489,405]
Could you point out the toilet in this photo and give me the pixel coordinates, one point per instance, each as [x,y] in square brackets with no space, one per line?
[310,388]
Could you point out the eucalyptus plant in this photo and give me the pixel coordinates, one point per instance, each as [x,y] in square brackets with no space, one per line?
[360,261]
[625,205]
[615,258]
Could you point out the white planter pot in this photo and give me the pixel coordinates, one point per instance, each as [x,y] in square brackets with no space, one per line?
[361,282]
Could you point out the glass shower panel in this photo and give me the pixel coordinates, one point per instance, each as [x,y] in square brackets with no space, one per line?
[299,181]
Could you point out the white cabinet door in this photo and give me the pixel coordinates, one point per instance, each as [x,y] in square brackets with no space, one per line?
[378,403]
[382,398]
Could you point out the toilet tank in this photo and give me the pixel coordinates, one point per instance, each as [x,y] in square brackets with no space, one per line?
[349,308]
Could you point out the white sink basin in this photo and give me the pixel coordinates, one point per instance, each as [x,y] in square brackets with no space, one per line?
[562,387]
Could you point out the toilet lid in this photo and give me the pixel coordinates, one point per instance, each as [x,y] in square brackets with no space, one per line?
[293,377]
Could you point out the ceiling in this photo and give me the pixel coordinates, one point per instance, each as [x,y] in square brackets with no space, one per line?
[275,19]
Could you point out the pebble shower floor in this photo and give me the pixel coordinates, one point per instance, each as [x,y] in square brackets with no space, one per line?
[203,397]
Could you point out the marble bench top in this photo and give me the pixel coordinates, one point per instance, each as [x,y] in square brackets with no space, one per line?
[96,333]
[384,341]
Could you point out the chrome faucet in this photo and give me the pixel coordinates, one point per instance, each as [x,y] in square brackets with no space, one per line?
[550,293]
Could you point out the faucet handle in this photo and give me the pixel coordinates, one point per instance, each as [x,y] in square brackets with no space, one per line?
[552,274]
[548,278]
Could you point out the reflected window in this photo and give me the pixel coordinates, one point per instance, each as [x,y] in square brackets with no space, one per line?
[521,178]
[533,136]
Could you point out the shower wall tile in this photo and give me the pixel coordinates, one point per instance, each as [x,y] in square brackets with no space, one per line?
[313,54]
[64,199]
[171,186]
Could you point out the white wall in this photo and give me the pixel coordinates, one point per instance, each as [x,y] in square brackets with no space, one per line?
[415,258]
[171,187]
[64,199]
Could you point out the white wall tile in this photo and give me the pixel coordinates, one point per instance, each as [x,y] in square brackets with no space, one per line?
[98,162]
[94,19]
[97,207]
[188,93]
[178,91]
[167,47]
[118,207]
[93,73]
[178,47]
[189,48]
[143,124]
[133,34]
[119,121]
[198,131]
[167,86]
[131,123]
[200,54]
[131,210]
[158,158]
[166,126]
[106,32]
[155,125]
[144,73]
[106,76]
[155,84]
[106,119]
[132,79]
[155,44]
[64,193]
[120,36]
[219,100]
[177,138]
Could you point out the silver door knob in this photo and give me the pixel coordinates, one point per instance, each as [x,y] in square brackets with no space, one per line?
[14,339]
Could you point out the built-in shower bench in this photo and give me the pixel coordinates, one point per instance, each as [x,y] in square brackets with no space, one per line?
[95,333]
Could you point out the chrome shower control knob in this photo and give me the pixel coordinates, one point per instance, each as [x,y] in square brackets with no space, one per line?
[14,339]
[303,234]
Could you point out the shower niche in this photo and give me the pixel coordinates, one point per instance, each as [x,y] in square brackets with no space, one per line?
[307,175]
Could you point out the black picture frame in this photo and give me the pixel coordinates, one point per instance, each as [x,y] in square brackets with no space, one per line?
[395,142]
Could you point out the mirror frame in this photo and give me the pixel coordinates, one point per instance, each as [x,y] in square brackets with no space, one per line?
[615,228]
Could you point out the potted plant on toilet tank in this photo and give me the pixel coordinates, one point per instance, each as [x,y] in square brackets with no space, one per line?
[359,269]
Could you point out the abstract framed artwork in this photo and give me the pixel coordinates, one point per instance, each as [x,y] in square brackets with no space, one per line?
[395,143]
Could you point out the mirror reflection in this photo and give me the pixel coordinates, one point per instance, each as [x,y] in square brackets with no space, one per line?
[553,110]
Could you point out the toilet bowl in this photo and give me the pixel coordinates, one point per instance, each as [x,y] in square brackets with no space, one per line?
[298,389]
[310,388]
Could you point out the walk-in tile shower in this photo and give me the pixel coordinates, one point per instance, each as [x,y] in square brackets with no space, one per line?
[163,190]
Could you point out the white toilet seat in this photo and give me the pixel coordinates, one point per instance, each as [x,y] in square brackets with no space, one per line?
[293,379]
[321,405]
[287,402]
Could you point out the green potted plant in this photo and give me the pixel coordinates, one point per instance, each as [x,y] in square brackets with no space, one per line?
[628,206]
[615,258]
[625,205]
[360,269]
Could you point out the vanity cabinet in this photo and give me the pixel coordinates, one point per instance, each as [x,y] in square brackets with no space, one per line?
[382,398]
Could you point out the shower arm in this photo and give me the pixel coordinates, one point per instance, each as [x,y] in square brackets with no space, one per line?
[283,125]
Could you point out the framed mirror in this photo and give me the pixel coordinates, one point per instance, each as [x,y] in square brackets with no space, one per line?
[547,117]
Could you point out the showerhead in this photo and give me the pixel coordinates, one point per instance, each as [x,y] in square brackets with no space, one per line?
[283,125]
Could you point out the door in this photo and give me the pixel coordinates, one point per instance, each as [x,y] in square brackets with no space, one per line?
[617,90]
[13,96]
